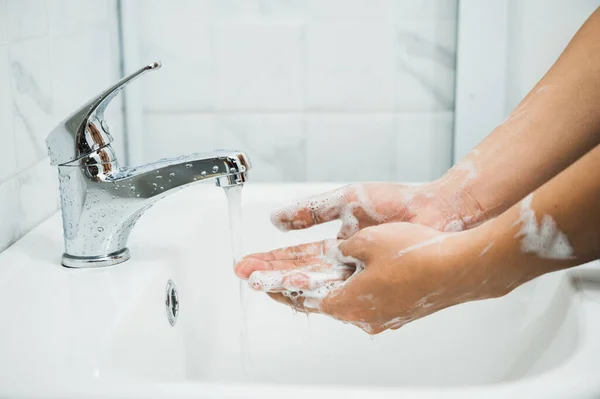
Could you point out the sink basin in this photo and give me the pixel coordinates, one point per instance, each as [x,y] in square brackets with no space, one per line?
[105,332]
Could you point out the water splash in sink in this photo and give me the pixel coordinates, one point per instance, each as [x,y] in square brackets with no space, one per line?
[234,199]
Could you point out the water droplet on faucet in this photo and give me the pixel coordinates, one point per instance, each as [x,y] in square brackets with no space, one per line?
[100,229]
[215,169]
[188,165]
[203,173]
[171,174]
[159,177]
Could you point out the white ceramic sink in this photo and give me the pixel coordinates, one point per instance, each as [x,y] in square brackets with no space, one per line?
[104,332]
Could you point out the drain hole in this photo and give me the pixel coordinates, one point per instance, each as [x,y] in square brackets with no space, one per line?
[172,303]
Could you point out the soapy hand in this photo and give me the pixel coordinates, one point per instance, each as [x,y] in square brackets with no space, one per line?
[369,204]
[381,278]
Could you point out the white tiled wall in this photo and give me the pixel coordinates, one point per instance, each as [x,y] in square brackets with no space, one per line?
[317,90]
[54,56]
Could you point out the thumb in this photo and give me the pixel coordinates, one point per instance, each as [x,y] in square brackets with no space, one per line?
[355,250]
[311,211]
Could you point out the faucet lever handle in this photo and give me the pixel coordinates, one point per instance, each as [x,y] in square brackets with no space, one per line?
[85,131]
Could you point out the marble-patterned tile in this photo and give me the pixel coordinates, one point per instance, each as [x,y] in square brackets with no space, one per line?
[423,147]
[183,10]
[258,67]
[380,10]
[3,22]
[346,147]
[70,16]
[31,89]
[76,75]
[9,213]
[425,66]
[288,10]
[275,143]
[251,10]
[176,36]
[38,194]
[349,66]
[169,135]
[27,18]
[8,162]
[425,10]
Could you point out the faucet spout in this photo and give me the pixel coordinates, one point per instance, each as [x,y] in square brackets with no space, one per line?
[159,178]
[101,202]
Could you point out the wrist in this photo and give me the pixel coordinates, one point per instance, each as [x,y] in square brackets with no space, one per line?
[467,265]
[500,265]
[448,206]
[487,261]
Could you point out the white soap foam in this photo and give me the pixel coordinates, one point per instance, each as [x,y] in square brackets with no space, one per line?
[469,167]
[431,241]
[366,327]
[455,225]
[543,239]
[326,203]
[486,249]
[322,280]
[343,202]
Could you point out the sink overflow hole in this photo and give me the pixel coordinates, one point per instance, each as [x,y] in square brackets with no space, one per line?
[172,303]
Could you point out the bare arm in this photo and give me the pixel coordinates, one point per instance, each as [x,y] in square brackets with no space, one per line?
[556,227]
[557,123]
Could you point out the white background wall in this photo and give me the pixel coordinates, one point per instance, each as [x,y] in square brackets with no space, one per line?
[54,55]
[505,47]
[313,90]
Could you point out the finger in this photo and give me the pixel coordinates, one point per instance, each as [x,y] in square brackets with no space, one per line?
[318,248]
[358,247]
[350,225]
[247,266]
[315,210]
[340,302]
[266,281]
[307,280]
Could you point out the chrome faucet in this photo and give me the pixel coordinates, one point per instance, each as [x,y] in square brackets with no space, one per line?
[100,200]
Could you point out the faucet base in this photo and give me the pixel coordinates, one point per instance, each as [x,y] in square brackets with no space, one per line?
[79,262]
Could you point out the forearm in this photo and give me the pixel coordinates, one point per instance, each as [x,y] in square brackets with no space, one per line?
[557,123]
[556,227]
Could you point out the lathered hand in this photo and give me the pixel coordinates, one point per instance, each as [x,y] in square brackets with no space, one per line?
[388,275]
[381,278]
[368,204]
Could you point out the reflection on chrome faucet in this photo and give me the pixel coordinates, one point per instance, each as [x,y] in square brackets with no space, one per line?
[101,201]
